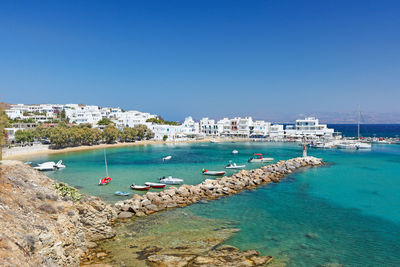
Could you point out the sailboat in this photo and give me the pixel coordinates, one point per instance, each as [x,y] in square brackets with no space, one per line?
[358,144]
[107,179]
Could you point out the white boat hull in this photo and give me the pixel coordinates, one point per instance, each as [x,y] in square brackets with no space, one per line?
[214,173]
[171,180]
[235,167]
[261,160]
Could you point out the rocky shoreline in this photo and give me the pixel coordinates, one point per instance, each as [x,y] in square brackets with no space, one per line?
[210,189]
[43,227]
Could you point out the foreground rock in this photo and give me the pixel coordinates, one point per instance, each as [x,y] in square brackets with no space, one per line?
[176,238]
[211,189]
[40,228]
[223,256]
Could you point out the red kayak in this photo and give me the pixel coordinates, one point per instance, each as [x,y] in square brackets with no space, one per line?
[155,185]
[105,181]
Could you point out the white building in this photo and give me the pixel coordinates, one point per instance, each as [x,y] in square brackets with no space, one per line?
[173,132]
[80,114]
[130,118]
[190,128]
[209,127]
[39,113]
[276,131]
[309,127]
[260,129]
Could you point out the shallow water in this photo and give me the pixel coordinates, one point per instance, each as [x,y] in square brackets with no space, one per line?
[346,212]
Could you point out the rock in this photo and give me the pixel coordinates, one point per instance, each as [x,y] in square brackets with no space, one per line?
[312,235]
[42,229]
[91,245]
[146,202]
[171,205]
[170,260]
[101,255]
[125,215]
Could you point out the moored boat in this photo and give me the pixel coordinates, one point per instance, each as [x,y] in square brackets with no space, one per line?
[170,180]
[258,157]
[140,187]
[213,173]
[353,145]
[235,151]
[122,194]
[46,166]
[105,181]
[234,166]
[166,158]
[155,185]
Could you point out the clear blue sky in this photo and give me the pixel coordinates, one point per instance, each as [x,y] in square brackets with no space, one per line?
[203,58]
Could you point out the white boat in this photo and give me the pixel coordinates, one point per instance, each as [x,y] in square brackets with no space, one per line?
[140,187]
[154,185]
[235,151]
[259,158]
[234,166]
[170,180]
[46,166]
[166,158]
[214,141]
[213,173]
[353,145]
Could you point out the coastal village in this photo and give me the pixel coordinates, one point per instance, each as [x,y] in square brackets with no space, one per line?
[31,116]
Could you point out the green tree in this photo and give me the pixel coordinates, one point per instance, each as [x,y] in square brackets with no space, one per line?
[24,136]
[96,135]
[129,134]
[104,121]
[143,132]
[110,134]
[59,136]
[165,137]
[41,132]
[160,120]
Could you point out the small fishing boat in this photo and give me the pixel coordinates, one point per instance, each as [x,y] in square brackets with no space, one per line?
[140,187]
[170,180]
[155,185]
[258,157]
[234,166]
[122,194]
[166,158]
[107,179]
[46,166]
[235,151]
[213,173]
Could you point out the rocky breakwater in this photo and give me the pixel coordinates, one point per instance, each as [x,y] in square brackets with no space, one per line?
[211,189]
[46,223]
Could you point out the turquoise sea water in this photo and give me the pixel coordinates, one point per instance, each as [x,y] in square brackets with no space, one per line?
[347,212]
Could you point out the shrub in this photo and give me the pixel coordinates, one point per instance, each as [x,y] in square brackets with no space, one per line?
[64,190]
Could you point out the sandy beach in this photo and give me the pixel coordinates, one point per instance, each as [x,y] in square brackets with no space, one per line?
[26,152]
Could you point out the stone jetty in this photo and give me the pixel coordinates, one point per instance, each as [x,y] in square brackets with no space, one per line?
[211,189]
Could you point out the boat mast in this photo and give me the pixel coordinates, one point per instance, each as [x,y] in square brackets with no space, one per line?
[358,125]
[105,161]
